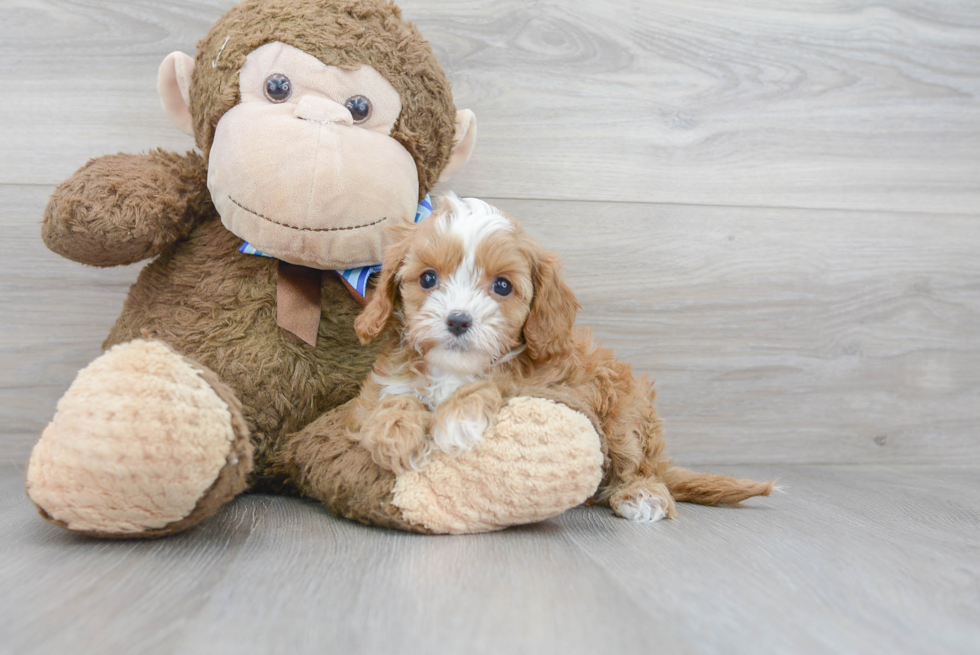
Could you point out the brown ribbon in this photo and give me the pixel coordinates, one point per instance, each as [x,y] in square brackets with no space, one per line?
[298,298]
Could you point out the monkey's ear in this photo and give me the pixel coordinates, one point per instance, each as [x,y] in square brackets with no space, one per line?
[174,87]
[463,143]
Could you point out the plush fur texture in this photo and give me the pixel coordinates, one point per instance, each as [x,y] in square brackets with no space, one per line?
[527,452]
[541,458]
[201,296]
[139,406]
[121,209]
[215,308]
[437,387]
[218,307]
[343,33]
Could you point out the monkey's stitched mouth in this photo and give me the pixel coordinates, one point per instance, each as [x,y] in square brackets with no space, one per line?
[306,229]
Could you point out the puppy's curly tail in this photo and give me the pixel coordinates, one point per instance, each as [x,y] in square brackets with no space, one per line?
[712,489]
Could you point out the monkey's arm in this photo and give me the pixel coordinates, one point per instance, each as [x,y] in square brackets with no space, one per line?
[120,209]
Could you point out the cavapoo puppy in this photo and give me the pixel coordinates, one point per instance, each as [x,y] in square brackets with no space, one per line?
[479,313]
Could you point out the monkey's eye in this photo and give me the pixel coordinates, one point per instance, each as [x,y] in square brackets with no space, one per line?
[502,286]
[278,88]
[359,107]
[428,279]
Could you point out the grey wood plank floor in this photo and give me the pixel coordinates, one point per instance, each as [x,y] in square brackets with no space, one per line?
[772,208]
[852,559]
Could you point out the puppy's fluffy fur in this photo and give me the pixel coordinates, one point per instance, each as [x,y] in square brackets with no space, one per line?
[440,383]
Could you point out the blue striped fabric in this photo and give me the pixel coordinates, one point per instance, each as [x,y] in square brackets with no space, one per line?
[249,249]
[356,277]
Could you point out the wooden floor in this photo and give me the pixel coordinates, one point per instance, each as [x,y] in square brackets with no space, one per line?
[852,559]
[773,208]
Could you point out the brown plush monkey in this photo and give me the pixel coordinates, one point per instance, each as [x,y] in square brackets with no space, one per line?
[320,122]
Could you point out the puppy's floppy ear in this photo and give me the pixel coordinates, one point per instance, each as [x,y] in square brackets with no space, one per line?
[548,329]
[375,317]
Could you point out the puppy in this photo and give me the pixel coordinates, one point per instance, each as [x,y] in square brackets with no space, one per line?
[480,313]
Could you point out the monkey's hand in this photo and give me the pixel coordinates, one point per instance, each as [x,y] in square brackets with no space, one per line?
[120,209]
[538,458]
[395,433]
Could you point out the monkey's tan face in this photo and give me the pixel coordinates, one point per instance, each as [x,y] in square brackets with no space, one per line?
[304,168]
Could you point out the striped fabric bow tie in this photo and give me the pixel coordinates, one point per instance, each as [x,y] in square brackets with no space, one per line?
[358,277]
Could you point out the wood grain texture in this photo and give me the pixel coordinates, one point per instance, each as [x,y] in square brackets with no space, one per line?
[853,559]
[81,81]
[849,560]
[371,591]
[656,144]
[55,315]
[64,593]
[829,104]
[774,335]
[785,335]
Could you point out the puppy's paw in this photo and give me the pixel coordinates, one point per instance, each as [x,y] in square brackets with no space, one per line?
[459,423]
[643,504]
[459,432]
[396,438]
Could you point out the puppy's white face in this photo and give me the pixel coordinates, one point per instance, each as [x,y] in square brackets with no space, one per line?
[466,287]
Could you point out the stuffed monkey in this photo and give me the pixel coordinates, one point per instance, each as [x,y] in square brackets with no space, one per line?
[319,123]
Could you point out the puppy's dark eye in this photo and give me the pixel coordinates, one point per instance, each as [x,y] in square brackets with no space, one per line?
[278,88]
[428,280]
[359,107]
[502,287]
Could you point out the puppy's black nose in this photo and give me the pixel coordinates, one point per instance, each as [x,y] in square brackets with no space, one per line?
[458,323]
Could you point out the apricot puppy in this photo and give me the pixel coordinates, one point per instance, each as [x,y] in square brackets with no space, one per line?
[480,313]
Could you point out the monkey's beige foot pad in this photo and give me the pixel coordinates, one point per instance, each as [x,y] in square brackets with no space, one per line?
[144,443]
[538,460]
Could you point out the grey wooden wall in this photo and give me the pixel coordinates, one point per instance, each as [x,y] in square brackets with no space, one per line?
[773,208]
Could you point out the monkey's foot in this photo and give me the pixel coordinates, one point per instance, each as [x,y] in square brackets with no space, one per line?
[539,459]
[145,443]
